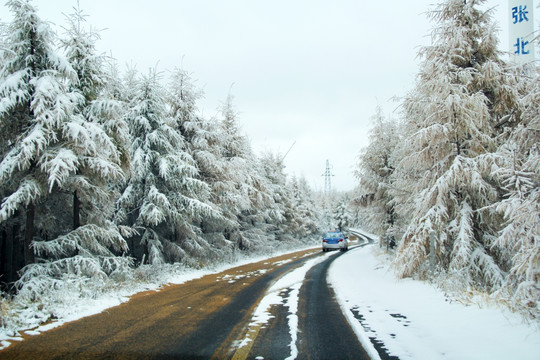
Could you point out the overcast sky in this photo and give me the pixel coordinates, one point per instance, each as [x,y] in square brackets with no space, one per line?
[303,70]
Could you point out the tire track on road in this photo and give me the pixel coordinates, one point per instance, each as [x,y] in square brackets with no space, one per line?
[324,332]
[191,320]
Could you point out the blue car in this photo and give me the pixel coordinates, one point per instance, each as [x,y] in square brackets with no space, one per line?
[334,240]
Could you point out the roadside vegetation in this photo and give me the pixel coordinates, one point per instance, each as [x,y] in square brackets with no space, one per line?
[461,164]
[112,180]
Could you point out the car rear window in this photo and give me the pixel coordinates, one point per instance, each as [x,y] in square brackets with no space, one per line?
[333,235]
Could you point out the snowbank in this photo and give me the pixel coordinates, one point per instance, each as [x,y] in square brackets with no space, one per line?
[414,320]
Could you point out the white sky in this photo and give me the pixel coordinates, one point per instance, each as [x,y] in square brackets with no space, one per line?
[308,71]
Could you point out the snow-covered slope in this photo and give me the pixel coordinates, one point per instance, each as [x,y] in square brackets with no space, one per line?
[414,320]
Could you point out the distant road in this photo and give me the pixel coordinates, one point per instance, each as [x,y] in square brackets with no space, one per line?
[208,318]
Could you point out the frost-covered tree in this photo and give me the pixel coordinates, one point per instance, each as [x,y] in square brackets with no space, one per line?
[254,221]
[36,110]
[342,213]
[461,97]
[245,192]
[60,155]
[163,196]
[183,96]
[293,212]
[279,211]
[204,141]
[516,167]
[226,163]
[375,167]
[236,153]
[102,139]
[306,208]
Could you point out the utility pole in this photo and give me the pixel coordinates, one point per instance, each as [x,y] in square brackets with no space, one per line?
[327,190]
[327,178]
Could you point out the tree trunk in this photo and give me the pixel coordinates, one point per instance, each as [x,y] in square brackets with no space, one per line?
[3,256]
[14,250]
[29,235]
[76,211]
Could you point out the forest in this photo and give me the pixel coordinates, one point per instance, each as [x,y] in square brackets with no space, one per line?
[110,176]
[461,165]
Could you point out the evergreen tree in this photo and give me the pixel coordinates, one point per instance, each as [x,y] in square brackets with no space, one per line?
[61,150]
[103,136]
[235,153]
[516,167]
[374,173]
[244,192]
[163,196]
[461,98]
[305,207]
[342,214]
[36,110]
[202,140]
[282,217]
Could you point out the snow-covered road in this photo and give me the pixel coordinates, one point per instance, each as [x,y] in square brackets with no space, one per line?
[285,292]
[414,320]
[403,319]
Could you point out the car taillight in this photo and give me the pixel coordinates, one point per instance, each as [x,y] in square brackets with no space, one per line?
[340,240]
[324,240]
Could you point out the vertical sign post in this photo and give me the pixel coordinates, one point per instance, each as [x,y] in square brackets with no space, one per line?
[521,30]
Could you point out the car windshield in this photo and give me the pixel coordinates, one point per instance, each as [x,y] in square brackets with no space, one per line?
[333,235]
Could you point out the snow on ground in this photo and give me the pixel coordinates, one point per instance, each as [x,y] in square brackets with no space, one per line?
[78,307]
[414,320]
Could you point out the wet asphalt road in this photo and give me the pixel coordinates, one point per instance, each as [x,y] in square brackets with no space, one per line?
[205,318]
[323,331]
[326,334]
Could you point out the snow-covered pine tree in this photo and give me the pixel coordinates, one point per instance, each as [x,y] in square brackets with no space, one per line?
[286,202]
[235,151]
[245,195]
[342,212]
[254,221]
[98,138]
[376,205]
[204,140]
[35,108]
[102,134]
[63,152]
[460,97]
[163,195]
[516,167]
[200,141]
[183,96]
[282,216]
[227,164]
[307,210]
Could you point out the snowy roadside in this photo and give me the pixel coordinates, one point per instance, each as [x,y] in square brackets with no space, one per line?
[29,316]
[414,320]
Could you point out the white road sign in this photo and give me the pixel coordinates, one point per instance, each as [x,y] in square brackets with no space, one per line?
[521,26]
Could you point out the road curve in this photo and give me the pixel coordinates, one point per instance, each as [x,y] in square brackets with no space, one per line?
[322,330]
[203,319]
